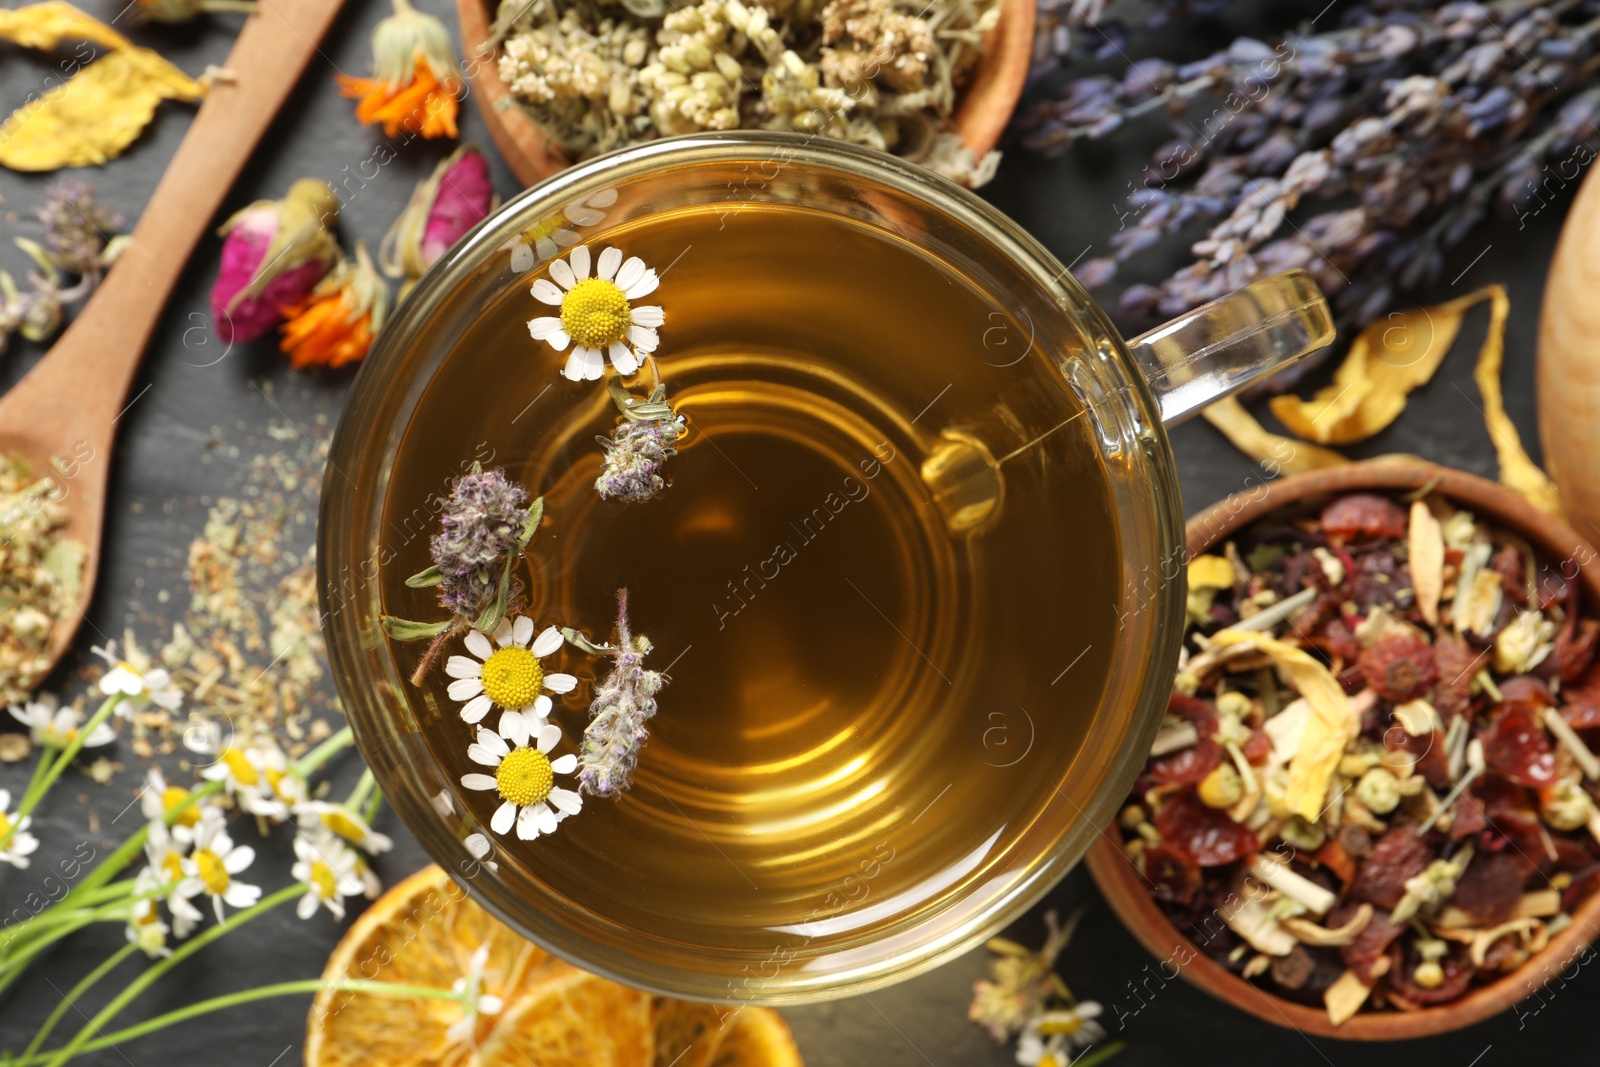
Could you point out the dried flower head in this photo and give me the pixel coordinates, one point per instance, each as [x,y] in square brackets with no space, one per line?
[1021,981]
[635,454]
[77,228]
[444,206]
[273,254]
[336,323]
[623,702]
[414,83]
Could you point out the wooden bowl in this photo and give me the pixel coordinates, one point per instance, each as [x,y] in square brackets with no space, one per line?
[1126,890]
[981,114]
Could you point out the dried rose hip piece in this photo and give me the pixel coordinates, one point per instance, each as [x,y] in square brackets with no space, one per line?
[1397,855]
[1575,648]
[1364,515]
[1527,689]
[1491,887]
[1399,667]
[1455,662]
[1515,745]
[1199,759]
[1432,762]
[1582,716]
[1203,836]
[1507,562]
[1370,944]
[1175,879]
[1458,972]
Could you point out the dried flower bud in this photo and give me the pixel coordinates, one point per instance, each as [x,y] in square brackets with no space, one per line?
[414,82]
[336,323]
[478,530]
[635,455]
[77,228]
[273,254]
[444,206]
[623,702]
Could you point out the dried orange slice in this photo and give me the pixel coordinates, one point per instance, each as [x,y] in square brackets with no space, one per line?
[424,931]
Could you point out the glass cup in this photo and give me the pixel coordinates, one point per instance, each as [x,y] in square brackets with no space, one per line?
[1130,389]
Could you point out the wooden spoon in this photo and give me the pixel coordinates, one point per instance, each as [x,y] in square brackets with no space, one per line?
[67,407]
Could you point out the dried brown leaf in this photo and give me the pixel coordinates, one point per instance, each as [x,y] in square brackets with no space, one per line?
[1283,455]
[1426,557]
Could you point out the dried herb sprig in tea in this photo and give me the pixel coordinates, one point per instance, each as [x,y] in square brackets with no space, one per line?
[1427,115]
[623,702]
[482,531]
[636,452]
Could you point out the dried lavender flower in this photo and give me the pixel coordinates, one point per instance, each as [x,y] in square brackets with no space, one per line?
[77,228]
[637,450]
[623,702]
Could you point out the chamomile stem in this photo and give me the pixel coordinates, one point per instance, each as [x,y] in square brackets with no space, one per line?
[59,922]
[155,971]
[74,993]
[374,802]
[41,784]
[204,1007]
[314,759]
[358,795]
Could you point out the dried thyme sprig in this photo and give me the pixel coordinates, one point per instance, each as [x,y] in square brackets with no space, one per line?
[637,450]
[482,531]
[622,704]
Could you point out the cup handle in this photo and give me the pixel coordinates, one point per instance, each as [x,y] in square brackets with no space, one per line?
[1220,347]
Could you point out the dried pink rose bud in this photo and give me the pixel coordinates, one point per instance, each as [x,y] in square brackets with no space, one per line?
[273,254]
[448,203]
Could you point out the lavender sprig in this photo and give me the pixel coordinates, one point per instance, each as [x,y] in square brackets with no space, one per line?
[1416,118]
[636,452]
[623,702]
[482,530]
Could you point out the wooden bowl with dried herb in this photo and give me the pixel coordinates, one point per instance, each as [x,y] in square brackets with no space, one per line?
[1371,812]
[932,82]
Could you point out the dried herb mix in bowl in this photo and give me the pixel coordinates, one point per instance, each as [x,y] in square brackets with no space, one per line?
[1375,785]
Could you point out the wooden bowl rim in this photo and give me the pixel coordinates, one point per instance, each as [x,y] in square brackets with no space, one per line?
[984,108]
[1122,885]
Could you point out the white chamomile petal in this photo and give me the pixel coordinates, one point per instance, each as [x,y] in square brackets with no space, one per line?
[644,338]
[522,631]
[643,287]
[514,727]
[478,644]
[238,859]
[463,667]
[651,316]
[544,290]
[475,709]
[521,255]
[622,358]
[465,688]
[565,800]
[541,707]
[548,641]
[585,364]
[580,262]
[478,781]
[503,632]
[503,817]
[493,742]
[545,817]
[630,273]
[549,737]
[561,274]
[478,754]
[610,260]
[564,764]
[544,327]
[548,248]
[560,683]
[527,825]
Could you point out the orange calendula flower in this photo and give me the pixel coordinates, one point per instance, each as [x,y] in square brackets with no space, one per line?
[414,85]
[335,325]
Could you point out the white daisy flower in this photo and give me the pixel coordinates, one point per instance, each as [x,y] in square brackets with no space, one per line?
[328,868]
[1051,1037]
[21,844]
[145,927]
[598,318]
[509,676]
[524,777]
[546,239]
[57,727]
[248,774]
[318,816]
[139,688]
[210,868]
[464,1030]
[163,855]
[157,798]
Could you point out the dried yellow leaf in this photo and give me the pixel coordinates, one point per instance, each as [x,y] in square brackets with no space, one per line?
[93,116]
[1279,454]
[1210,572]
[1517,472]
[1345,996]
[1386,361]
[1331,724]
[1425,556]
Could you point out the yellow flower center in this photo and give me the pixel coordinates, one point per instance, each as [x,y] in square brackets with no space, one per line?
[5,824]
[512,677]
[345,826]
[324,880]
[172,866]
[276,780]
[595,313]
[172,797]
[524,777]
[213,875]
[244,772]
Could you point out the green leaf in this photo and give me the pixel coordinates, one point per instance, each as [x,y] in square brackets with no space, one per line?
[406,630]
[425,578]
[531,527]
[497,607]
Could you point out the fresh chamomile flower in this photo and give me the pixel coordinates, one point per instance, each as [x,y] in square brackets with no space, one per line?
[21,844]
[509,676]
[1051,1037]
[524,777]
[319,816]
[476,1001]
[158,799]
[329,869]
[145,927]
[247,773]
[139,688]
[597,314]
[211,867]
[163,855]
[53,726]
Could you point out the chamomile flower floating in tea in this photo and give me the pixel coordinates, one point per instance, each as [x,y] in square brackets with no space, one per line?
[211,867]
[330,872]
[546,239]
[524,777]
[598,318]
[414,82]
[16,844]
[53,726]
[507,672]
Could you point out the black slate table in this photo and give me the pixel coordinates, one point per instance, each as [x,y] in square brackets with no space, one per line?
[196,418]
